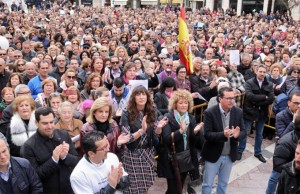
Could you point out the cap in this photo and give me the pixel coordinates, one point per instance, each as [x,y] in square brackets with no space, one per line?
[85,45]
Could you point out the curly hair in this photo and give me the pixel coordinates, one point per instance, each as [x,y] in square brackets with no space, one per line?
[148,109]
[181,94]
[89,80]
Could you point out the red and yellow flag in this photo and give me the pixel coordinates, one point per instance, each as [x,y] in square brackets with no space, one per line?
[184,43]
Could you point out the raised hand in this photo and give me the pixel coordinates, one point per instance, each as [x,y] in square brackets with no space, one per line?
[113,177]
[182,126]
[56,152]
[123,138]
[198,127]
[65,149]
[227,132]
[236,131]
[144,124]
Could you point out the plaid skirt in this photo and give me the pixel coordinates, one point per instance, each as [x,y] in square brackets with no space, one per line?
[139,164]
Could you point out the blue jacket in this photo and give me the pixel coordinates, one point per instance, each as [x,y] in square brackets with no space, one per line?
[35,86]
[24,177]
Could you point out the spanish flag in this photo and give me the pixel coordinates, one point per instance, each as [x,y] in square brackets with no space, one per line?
[184,43]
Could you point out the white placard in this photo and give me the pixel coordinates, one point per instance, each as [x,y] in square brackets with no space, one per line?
[135,83]
[234,57]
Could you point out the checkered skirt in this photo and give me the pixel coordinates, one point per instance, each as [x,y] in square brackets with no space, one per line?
[139,164]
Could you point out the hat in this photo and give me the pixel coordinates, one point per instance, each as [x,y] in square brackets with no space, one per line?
[86,45]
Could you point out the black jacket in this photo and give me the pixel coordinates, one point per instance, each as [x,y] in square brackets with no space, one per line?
[255,99]
[24,178]
[285,150]
[284,122]
[289,180]
[162,102]
[165,168]
[214,133]
[242,69]
[200,86]
[3,81]
[54,176]
[57,74]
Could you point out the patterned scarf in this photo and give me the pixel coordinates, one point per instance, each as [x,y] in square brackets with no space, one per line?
[185,117]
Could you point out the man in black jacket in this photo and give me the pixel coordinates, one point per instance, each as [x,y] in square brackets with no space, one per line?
[223,125]
[284,153]
[51,152]
[16,174]
[259,95]
[290,176]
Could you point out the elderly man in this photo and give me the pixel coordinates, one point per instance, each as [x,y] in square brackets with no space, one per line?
[60,68]
[30,72]
[27,53]
[16,174]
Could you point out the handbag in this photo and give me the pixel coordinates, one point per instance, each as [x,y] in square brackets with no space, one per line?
[183,158]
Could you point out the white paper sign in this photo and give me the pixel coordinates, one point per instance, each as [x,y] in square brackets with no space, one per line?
[234,57]
[135,83]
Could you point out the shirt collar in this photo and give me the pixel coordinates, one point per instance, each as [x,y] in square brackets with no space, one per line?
[222,110]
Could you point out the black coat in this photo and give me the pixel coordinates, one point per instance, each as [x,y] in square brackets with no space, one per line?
[285,150]
[162,102]
[54,176]
[284,122]
[255,99]
[24,177]
[289,180]
[214,133]
[164,166]
[200,86]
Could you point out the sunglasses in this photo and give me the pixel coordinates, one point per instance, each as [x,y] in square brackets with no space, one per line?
[87,66]
[268,61]
[103,50]
[71,77]
[155,60]
[21,64]
[114,62]
[296,72]
[74,42]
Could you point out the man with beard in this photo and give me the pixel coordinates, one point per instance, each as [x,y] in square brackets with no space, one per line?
[41,37]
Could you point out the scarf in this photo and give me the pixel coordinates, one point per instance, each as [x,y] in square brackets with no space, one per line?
[126,80]
[185,117]
[103,127]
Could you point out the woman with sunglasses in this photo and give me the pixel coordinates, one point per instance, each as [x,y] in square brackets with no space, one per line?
[68,79]
[291,79]
[20,65]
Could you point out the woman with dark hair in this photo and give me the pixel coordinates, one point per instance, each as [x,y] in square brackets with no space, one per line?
[138,65]
[92,83]
[291,79]
[165,92]
[180,79]
[139,120]
[84,54]
[124,40]
[149,75]
[97,66]
[58,38]
[129,72]
[157,63]
[14,80]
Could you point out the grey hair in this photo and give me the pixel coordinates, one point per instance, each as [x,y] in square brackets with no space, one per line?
[4,139]
[64,105]
[19,87]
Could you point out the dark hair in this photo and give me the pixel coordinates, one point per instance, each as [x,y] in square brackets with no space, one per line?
[297,123]
[291,69]
[118,82]
[43,111]
[148,109]
[167,83]
[223,90]
[88,54]
[179,67]
[43,61]
[293,94]
[89,140]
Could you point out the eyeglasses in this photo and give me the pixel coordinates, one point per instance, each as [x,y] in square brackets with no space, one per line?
[169,65]
[214,47]
[2,54]
[8,38]
[23,93]
[61,60]
[85,47]
[21,64]
[88,66]
[155,60]
[105,148]
[71,77]
[104,42]
[47,34]
[296,103]
[181,71]
[114,62]
[74,42]
[18,56]
[103,50]
[296,72]
[162,58]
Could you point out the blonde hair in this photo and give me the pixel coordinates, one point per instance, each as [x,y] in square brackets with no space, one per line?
[19,99]
[181,94]
[99,103]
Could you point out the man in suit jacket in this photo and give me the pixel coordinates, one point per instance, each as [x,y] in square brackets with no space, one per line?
[223,125]
[51,152]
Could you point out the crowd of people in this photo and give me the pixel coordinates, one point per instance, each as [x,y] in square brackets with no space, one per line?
[89,97]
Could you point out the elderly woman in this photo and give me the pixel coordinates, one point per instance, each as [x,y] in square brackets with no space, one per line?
[100,119]
[22,125]
[275,77]
[129,72]
[8,96]
[14,80]
[73,96]
[165,92]
[86,65]
[139,121]
[93,82]
[182,126]
[180,79]
[54,101]
[48,86]
[67,122]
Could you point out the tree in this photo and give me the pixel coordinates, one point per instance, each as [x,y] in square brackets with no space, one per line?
[290,5]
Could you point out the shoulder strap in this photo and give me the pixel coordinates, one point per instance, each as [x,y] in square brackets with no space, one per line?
[173,143]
